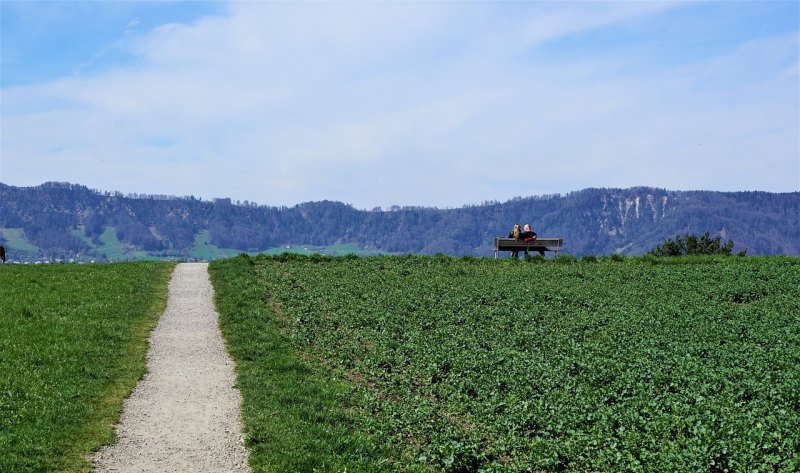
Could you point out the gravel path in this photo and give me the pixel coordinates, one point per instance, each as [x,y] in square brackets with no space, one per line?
[184,415]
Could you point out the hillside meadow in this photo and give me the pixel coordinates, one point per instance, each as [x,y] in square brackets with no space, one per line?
[73,340]
[414,363]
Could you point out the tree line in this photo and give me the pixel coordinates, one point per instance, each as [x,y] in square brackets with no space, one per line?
[67,217]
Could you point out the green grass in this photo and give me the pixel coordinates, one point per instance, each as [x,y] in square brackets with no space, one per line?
[297,416]
[205,250]
[80,233]
[330,250]
[72,346]
[305,250]
[348,249]
[112,248]
[16,242]
[474,364]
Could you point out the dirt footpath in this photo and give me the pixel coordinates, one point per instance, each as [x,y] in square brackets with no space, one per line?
[184,415]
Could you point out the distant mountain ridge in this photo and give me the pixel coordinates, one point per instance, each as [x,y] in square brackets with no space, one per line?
[61,220]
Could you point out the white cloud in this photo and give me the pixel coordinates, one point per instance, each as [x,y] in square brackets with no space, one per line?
[404,103]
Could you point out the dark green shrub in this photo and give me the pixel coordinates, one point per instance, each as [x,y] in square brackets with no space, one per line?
[589,259]
[691,245]
[617,257]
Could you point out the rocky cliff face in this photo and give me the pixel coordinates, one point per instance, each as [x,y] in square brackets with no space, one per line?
[764,223]
[619,209]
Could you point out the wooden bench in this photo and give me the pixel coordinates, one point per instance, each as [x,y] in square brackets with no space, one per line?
[540,245]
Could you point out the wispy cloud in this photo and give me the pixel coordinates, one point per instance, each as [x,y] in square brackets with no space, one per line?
[411,103]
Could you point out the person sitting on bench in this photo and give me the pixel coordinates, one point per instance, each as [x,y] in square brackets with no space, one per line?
[527,234]
[515,234]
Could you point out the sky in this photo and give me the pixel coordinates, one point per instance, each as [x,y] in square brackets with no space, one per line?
[438,104]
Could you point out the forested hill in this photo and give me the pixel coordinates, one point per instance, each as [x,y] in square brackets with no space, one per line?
[58,220]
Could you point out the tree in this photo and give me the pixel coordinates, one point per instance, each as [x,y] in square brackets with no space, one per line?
[691,244]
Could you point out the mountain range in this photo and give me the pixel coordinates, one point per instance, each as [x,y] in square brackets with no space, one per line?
[62,221]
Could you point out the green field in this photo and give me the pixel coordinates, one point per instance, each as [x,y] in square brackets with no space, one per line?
[80,233]
[205,250]
[16,241]
[72,346]
[112,249]
[434,363]
[330,250]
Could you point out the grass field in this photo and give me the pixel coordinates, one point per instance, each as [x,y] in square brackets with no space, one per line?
[330,250]
[72,346]
[112,249]
[434,363]
[80,233]
[205,250]
[299,417]
[16,242]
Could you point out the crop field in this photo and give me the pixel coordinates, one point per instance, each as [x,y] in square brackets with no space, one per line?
[72,345]
[436,363]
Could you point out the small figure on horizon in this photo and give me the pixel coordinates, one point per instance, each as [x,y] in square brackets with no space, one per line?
[3,253]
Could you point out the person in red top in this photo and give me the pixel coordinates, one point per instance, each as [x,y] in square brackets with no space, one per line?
[527,234]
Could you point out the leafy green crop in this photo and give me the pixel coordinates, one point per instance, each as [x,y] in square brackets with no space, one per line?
[500,365]
[72,345]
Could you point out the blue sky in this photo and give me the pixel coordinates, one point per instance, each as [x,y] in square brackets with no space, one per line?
[403,103]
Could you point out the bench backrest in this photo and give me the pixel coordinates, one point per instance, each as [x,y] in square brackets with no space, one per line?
[504,244]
